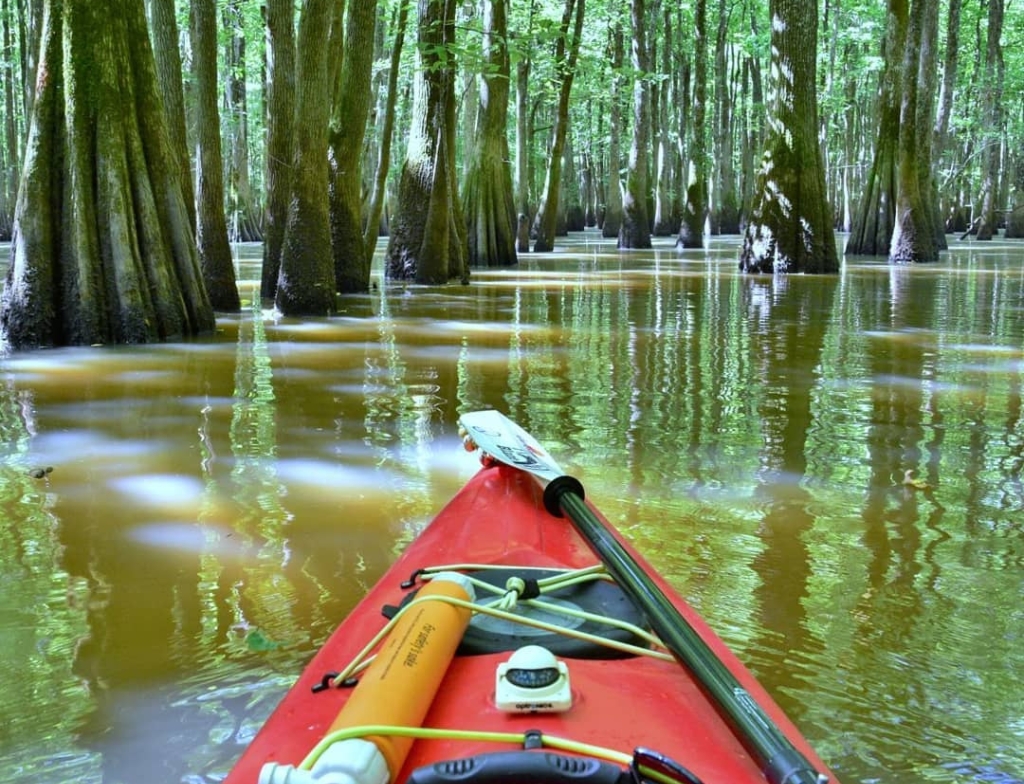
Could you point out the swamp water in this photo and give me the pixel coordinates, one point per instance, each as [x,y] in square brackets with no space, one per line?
[215,507]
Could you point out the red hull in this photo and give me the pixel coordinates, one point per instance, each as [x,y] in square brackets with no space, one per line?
[619,704]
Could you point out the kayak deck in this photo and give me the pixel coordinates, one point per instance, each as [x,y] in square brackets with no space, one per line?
[620,704]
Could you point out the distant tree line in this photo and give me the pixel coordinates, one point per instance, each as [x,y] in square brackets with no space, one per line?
[140,138]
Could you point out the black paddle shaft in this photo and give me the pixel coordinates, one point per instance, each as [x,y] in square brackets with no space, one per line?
[780,761]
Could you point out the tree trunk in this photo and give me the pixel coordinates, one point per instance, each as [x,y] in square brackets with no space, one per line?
[424,241]
[613,200]
[305,286]
[211,227]
[790,227]
[489,202]
[545,224]
[940,143]
[12,140]
[992,119]
[103,250]
[371,229]
[244,223]
[875,219]
[913,239]
[691,231]
[728,212]
[664,223]
[635,231]
[164,29]
[280,136]
[348,130]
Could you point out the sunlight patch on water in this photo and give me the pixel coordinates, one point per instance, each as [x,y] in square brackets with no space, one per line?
[343,478]
[164,490]
[89,445]
[188,537]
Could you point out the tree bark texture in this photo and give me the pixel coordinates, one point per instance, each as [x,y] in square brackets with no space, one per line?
[664,223]
[9,174]
[791,222]
[103,250]
[727,217]
[305,285]
[489,201]
[635,231]
[913,238]
[993,119]
[211,225]
[613,199]
[875,218]
[566,52]
[164,27]
[425,241]
[691,230]
[348,130]
[280,136]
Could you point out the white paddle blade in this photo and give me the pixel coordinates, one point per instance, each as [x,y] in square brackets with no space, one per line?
[501,438]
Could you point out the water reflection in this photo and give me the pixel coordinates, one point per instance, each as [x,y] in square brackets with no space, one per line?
[829,468]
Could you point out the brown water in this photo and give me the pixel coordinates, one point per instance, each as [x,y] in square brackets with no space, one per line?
[215,507]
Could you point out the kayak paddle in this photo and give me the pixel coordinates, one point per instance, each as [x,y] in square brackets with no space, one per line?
[505,441]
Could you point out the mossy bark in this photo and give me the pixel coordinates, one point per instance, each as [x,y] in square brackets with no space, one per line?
[790,226]
[166,48]
[875,218]
[489,202]
[426,244]
[280,19]
[993,120]
[103,250]
[348,130]
[211,225]
[305,285]
[913,238]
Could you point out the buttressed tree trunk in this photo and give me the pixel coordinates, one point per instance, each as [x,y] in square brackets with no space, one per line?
[790,226]
[993,119]
[875,217]
[280,136]
[103,250]
[635,231]
[211,226]
[305,285]
[913,238]
[425,242]
[489,202]
[348,129]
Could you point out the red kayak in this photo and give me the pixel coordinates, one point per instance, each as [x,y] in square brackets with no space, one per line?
[520,639]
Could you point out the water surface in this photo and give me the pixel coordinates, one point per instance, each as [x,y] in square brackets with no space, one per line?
[828,468]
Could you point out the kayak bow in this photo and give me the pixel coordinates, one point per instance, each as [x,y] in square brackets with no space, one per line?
[512,656]
[502,439]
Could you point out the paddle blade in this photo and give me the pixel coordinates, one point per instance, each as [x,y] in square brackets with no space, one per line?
[501,438]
